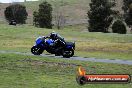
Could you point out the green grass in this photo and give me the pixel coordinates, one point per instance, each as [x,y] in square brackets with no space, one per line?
[99,45]
[22,71]
[18,71]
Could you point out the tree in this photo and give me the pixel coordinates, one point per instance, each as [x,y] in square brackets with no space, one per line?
[126,4]
[100,15]
[60,18]
[119,27]
[43,18]
[16,12]
[35,19]
[127,7]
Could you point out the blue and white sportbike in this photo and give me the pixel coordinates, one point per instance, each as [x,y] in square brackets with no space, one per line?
[58,47]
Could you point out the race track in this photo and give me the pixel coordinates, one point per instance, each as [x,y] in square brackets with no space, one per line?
[116,61]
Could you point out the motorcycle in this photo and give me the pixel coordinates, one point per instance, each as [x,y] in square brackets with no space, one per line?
[58,47]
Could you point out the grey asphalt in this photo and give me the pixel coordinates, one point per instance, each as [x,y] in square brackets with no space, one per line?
[115,61]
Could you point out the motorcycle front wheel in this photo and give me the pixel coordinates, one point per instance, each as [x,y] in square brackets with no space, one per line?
[36,50]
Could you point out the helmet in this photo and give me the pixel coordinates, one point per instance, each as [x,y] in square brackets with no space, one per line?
[53,35]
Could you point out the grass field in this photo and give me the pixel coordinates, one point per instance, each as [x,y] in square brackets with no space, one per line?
[98,45]
[22,71]
[19,71]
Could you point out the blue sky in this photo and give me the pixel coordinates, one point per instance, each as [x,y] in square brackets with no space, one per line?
[10,1]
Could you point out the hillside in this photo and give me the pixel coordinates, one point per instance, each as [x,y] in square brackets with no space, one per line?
[74,11]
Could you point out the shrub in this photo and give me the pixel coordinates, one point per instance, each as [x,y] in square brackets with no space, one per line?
[100,15]
[43,18]
[119,27]
[16,12]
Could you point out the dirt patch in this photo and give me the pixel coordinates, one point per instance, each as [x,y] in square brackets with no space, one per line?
[40,62]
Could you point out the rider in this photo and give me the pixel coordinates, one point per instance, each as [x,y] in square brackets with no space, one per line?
[59,42]
[53,35]
[56,37]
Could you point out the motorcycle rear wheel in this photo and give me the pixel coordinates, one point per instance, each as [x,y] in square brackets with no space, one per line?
[68,53]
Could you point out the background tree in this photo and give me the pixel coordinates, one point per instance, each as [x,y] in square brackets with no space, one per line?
[126,4]
[43,18]
[60,18]
[16,12]
[119,27]
[127,7]
[100,15]
[35,19]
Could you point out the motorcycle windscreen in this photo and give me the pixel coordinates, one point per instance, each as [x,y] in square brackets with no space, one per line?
[38,41]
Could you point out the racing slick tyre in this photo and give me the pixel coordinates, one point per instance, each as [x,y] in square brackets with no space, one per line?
[68,53]
[36,50]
